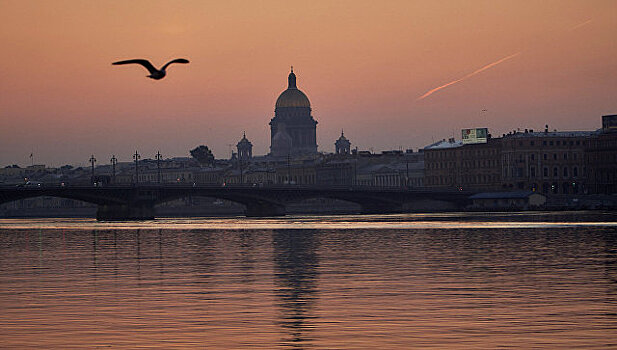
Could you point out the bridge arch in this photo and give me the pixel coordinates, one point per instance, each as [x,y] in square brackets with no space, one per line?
[317,204]
[255,204]
[137,202]
[46,206]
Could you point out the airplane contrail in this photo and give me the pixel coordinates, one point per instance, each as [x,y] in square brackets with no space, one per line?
[581,24]
[430,92]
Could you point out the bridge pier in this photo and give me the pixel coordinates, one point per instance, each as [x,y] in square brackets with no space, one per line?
[381,208]
[264,209]
[122,212]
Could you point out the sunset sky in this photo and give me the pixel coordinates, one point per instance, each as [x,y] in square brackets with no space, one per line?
[392,74]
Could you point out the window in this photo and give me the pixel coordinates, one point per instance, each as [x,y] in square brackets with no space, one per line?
[545,156]
[550,143]
[555,172]
[565,172]
[558,143]
[533,156]
[575,171]
[532,143]
[533,171]
[565,156]
[554,156]
[545,172]
[543,143]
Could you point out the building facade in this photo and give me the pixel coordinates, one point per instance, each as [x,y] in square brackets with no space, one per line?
[547,162]
[475,167]
[601,158]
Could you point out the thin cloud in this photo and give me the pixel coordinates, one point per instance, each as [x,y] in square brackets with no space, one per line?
[490,65]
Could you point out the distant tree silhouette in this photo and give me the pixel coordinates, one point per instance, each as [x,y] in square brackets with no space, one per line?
[203,155]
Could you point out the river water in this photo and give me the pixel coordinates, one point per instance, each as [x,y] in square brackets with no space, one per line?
[414,281]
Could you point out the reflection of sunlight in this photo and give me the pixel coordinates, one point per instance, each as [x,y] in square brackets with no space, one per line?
[392,221]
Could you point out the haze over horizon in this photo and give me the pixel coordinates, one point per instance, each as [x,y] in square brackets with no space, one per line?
[393,74]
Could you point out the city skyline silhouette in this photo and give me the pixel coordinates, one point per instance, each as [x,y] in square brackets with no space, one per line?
[363,66]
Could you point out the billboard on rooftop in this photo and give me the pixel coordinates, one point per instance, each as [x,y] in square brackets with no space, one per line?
[476,135]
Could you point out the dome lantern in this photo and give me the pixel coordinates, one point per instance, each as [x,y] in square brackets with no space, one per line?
[291,79]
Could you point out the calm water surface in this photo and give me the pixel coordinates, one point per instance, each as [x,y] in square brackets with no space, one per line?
[455,281]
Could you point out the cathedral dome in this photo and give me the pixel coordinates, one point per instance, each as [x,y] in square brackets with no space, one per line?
[292,97]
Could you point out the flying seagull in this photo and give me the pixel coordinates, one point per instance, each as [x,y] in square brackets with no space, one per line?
[155,74]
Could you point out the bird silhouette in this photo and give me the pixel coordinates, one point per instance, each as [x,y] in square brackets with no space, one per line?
[155,74]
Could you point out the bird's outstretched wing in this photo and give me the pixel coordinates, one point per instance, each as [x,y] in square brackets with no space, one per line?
[177,60]
[144,63]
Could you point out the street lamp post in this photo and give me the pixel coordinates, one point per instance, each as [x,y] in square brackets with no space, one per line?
[92,161]
[114,161]
[288,168]
[407,175]
[158,158]
[241,173]
[136,157]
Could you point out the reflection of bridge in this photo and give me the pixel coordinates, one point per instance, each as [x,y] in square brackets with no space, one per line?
[137,202]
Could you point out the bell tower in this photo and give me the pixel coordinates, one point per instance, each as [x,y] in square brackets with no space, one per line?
[245,149]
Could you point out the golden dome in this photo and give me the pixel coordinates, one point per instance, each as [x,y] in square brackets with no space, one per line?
[292,97]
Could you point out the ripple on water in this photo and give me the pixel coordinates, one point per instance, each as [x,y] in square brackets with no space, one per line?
[344,282]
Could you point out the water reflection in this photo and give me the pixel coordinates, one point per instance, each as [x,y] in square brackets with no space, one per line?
[610,260]
[328,288]
[296,264]
[247,260]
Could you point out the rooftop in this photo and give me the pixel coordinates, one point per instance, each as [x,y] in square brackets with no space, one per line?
[443,144]
[520,134]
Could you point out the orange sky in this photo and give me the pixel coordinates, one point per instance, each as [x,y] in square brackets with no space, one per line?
[363,64]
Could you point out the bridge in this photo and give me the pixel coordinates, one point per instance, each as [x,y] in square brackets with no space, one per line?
[137,202]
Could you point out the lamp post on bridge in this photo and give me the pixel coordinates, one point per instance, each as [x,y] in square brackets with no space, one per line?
[92,161]
[158,158]
[288,168]
[241,171]
[114,161]
[407,174]
[136,157]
